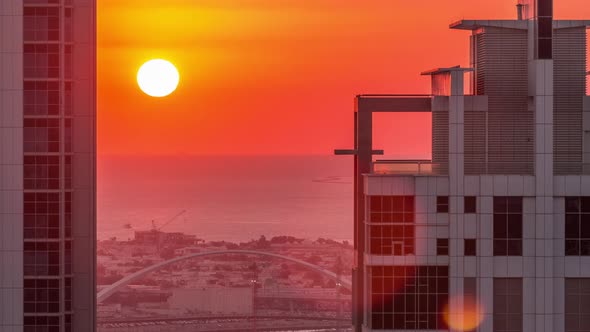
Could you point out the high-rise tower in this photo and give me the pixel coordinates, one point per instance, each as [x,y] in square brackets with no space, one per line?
[47,165]
[500,215]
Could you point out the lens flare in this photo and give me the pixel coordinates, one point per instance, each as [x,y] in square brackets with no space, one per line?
[464,318]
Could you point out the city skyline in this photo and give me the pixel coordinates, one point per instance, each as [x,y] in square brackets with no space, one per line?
[164,165]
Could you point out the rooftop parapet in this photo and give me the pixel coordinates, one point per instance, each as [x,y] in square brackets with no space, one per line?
[406,167]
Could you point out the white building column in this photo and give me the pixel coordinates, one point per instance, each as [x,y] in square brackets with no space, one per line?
[456,188]
[541,90]
[11,166]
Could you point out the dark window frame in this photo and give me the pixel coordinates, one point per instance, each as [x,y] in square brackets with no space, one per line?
[470,247]
[442,247]
[508,225]
[577,226]
[442,204]
[470,204]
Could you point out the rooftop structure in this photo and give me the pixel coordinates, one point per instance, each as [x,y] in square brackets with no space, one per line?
[500,216]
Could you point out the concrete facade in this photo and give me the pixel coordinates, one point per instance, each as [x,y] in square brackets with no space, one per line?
[497,216]
[47,165]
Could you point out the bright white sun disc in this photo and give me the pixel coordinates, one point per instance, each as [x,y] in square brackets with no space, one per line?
[158,78]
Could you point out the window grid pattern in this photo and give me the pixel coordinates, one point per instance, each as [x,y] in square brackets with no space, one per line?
[391,228]
[68,294]
[41,296]
[41,2]
[577,226]
[577,304]
[68,323]
[41,324]
[41,135]
[41,216]
[68,257]
[47,121]
[507,305]
[507,226]
[68,136]
[41,98]
[41,259]
[41,24]
[409,297]
[41,172]
[68,214]
[67,99]
[41,61]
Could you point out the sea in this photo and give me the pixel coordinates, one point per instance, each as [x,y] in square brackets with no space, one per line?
[226,198]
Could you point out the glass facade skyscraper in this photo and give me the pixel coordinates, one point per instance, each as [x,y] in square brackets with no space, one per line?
[47,165]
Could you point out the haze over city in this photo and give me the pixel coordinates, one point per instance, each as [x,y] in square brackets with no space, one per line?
[291,165]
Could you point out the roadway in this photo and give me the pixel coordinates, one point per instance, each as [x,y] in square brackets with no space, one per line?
[226,324]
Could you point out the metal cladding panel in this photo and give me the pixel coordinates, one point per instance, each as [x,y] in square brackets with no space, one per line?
[502,75]
[569,56]
[440,135]
[475,142]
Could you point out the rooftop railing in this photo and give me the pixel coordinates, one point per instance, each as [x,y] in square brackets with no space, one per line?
[407,167]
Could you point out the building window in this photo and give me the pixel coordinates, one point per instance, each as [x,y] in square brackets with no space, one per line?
[68,257]
[507,226]
[409,297]
[40,296]
[507,305]
[470,204]
[41,259]
[67,98]
[41,135]
[41,172]
[68,214]
[38,2]
[577,226]
[442,247]
[41,323]
[442,204]
[41,61]
[40,98]
[41,24]
[68,320]
[41,216]
[470,248]
[68,294]
[391,229]
[577,304]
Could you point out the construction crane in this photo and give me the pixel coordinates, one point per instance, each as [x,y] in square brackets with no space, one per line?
[156,228]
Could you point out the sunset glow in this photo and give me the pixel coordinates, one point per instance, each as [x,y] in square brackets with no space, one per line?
[264,71]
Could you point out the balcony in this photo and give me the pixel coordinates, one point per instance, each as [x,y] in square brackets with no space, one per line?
[407,167]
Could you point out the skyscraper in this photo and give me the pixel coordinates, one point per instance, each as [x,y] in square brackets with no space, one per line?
[47,165]
[497,223]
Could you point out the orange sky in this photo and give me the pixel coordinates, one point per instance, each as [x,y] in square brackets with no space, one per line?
[274,76]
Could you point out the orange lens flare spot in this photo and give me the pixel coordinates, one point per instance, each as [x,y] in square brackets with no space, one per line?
[466,317]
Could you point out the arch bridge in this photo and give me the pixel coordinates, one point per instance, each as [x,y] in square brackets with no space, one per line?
[111,289]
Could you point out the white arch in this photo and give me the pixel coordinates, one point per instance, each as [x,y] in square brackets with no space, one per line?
[111,289]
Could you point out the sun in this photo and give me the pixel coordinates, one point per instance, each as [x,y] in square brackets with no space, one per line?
[158,78]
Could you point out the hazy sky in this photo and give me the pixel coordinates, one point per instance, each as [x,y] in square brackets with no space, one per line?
[275,76]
